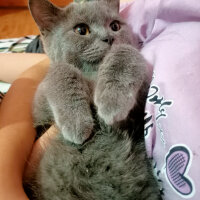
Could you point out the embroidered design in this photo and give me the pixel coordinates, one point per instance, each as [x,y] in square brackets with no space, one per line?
[161,112]
[153,97]
[178,161]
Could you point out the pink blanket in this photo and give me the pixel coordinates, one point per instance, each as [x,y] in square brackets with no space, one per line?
[169,31]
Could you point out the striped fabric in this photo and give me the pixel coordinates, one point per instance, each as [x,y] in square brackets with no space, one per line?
[15,45]
[1,96]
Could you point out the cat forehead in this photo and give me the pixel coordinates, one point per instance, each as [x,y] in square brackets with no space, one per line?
[91,12]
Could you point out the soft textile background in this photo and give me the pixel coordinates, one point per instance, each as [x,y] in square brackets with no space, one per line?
[170,33]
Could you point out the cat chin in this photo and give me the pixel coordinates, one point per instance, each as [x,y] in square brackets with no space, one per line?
[93,62]
[95,55]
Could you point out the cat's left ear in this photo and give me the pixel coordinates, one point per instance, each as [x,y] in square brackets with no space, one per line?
[44,13]
[114,4]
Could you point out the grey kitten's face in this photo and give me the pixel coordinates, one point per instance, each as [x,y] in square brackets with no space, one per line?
[81,32]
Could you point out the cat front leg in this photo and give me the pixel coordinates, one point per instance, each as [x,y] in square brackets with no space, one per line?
[42,114]
[120,77]
[70,98]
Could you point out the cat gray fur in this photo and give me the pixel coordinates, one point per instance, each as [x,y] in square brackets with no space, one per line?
[112,165]
[65,89]
[96,156]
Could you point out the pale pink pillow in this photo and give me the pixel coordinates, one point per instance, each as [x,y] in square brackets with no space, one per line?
[169,31]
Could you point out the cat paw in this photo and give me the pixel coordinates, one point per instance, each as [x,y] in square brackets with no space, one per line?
[114,105]
[78,129]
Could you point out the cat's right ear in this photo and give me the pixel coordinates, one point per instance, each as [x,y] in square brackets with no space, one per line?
[114,4]
[44,13]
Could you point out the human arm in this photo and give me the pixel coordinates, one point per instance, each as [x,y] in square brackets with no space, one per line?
[12,65]
[17,134]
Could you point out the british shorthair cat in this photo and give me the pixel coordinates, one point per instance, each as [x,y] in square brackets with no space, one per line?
[95,93]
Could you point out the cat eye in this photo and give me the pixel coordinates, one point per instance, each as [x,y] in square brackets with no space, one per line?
[115,25]
[82,29]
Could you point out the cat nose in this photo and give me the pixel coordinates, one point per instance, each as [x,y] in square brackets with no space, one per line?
[108,40]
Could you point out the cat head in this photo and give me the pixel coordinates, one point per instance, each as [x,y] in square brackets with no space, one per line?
[81,32]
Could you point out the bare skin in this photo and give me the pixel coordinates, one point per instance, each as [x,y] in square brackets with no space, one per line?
[12,65]
[17,134]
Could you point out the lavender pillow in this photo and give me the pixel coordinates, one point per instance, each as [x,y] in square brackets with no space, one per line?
[169,32]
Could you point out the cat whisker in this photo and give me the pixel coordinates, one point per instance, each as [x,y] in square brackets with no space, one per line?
[94,54]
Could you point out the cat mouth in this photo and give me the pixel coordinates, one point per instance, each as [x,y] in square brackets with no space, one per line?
[94,55]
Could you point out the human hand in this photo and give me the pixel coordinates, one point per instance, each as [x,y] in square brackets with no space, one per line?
[37,152]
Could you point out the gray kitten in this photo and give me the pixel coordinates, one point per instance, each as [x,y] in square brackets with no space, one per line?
[94,66]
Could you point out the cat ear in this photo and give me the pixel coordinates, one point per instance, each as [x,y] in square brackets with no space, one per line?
[111,3]
[44,13]
[114,4]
